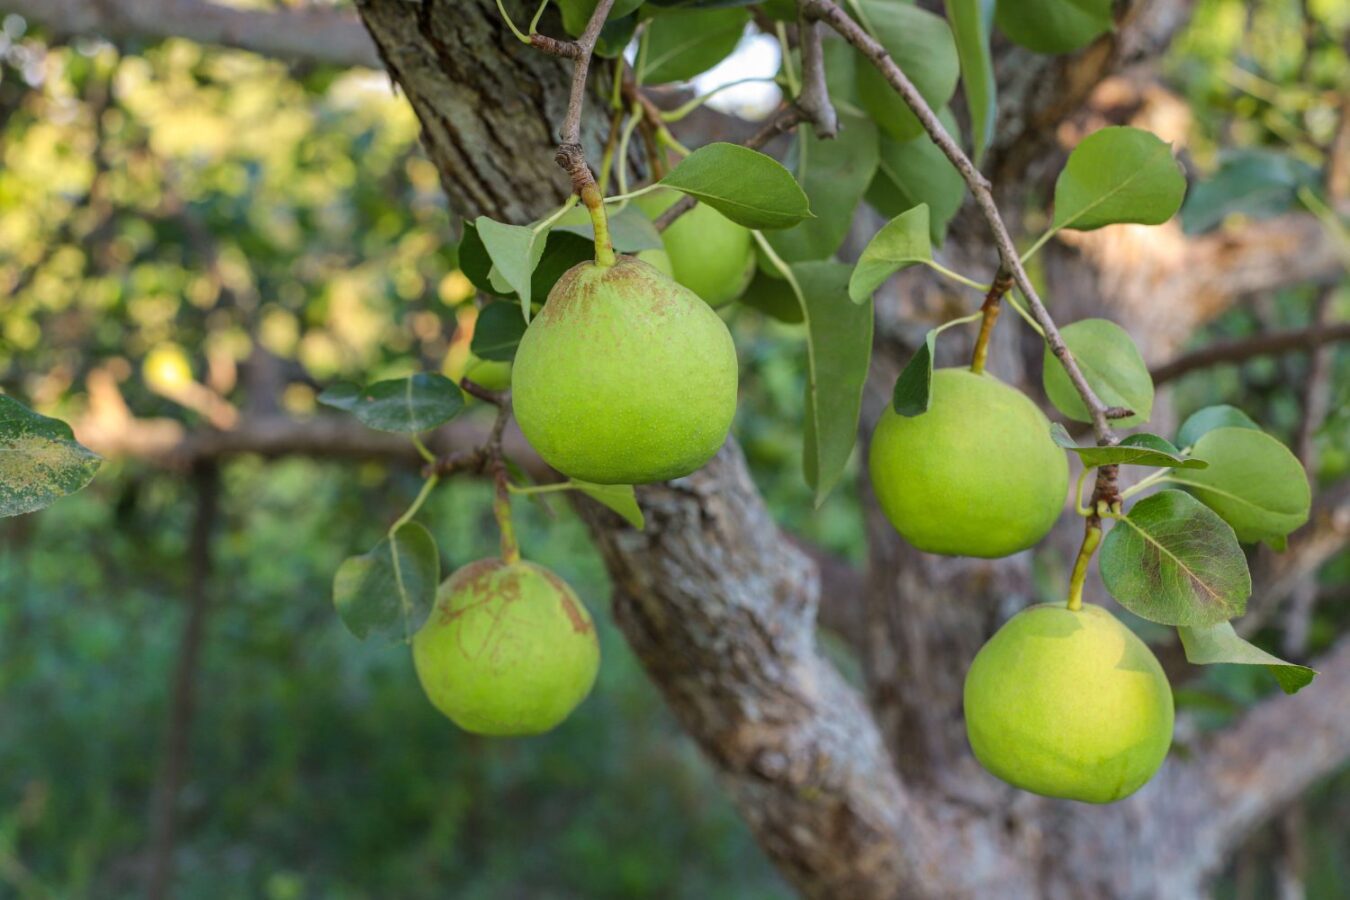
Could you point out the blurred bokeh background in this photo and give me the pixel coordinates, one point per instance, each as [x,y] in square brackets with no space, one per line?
[188,235]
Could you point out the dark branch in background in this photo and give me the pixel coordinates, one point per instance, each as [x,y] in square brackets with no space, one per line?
[183,688]
[1261,345]
[309,34]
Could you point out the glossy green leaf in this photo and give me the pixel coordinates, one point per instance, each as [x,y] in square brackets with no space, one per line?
[1110,362]
[618,497]
[970,22]
[1253,481]
[835,174]
[1116,175]
[497,332]
[1053,26]
[1172,560]
[1219,643]
[577,13]
[900,243]
[1251,182]
[839,350]
[923,47]
[405,405]
[390,590]
[915,172]
[474,261]
[515,251]
[562,251]
[1135,450]
[914,388]
[746,186]
[40,460]
[681,44]
[1209,418]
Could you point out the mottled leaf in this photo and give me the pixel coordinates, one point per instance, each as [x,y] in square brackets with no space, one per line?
[1172,560]
[40,460]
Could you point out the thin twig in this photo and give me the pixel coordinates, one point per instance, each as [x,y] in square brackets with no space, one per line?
[814,99]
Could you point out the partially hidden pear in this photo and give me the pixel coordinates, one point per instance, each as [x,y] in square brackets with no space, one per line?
[624,376]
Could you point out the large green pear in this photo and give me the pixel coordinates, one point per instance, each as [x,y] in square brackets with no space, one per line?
[624,377]
[709,254]
[975,475]
[1069,704]
[507,650]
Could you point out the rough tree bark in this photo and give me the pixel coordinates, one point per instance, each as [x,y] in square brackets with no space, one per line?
[875,799]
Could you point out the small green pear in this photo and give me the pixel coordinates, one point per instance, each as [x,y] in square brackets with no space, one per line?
[708,253]
[507,650]
[1069,703]
[624,377]
[975,475]
[495,375]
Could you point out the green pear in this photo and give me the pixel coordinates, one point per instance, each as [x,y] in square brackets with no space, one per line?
[495,375]
[624,377]
[1069,704]
[709,254]
[975,475]
[507,650]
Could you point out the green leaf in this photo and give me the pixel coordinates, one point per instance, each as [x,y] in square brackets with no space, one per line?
[1172,560]
[1251,182]
[1253,481]
[1118,175]
[774,297]
[562,251]
[40,460]
[923,47]
[683,44]
[577,13]
[391,589]
[404,405]
[839,350]
[835,174]
[1110,362]
[1136,450]
[746,186]
[1206,645]
[970,21]
[474,261]
[630,231]
[618,497]
[900,243]
[515,251]
[1209,418]
[916,172]
[497,332]
[914,388]
[1053,26]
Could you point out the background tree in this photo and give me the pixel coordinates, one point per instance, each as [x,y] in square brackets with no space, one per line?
[846,795]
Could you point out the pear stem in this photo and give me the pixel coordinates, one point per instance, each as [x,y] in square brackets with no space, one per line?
[595,205]
[1092,537]
[1001,285]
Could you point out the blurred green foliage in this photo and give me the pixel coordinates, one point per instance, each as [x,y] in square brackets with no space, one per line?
[171,203]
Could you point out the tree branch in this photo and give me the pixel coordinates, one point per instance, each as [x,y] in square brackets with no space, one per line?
[1304,339]
[309,34]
